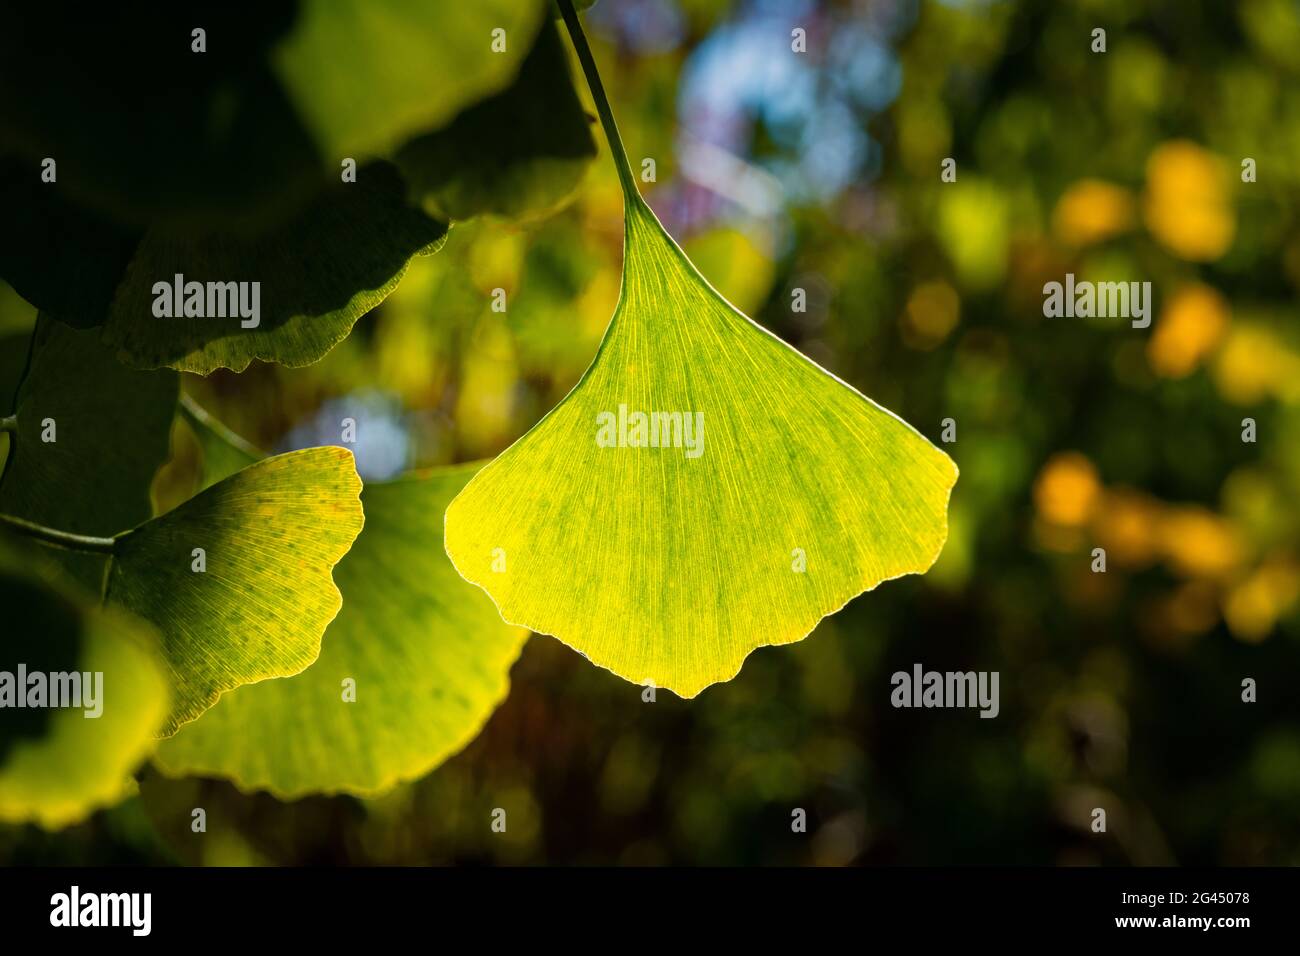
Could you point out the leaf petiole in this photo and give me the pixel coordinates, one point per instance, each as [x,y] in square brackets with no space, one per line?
[62,539]
[602,102]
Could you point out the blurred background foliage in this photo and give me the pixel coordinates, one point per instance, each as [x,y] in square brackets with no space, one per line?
[821,171]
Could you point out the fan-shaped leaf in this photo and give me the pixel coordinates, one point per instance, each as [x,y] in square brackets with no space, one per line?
[775,494]
[270,536]
[427,653]
[703,491]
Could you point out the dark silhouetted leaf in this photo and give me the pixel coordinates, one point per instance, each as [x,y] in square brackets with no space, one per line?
[519,153]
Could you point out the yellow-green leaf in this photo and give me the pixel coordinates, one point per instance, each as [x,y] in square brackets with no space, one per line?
[670,564]
[427,654]
[269,536]
[779,495]
[59,768]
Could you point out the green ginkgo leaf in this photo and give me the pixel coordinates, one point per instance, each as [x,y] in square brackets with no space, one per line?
[59,765]
[424,656]
[238,579]
[519,153]
[703,491]
[89,436]
[315,276]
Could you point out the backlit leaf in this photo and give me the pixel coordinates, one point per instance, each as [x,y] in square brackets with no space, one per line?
[791,494]
[428,654]
[270,536]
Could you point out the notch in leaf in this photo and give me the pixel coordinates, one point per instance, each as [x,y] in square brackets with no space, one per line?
[238,578]
[668,555]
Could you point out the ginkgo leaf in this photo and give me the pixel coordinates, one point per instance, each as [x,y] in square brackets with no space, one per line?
[519,153]
[238,579]
[59,765]
[426,654]
[703,491]
[90,435]
[315,276]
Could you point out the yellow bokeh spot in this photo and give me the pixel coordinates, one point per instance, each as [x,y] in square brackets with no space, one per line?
[1091,211]
[1187,205]
[1191,327]
[974,227]
[1067,490]
[1199,543]
[1255,364]
[932,312]
[1253,607]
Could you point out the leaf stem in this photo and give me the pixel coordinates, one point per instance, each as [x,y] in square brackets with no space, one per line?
[9,423]
[63,539]
[199,417]
[602,102]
